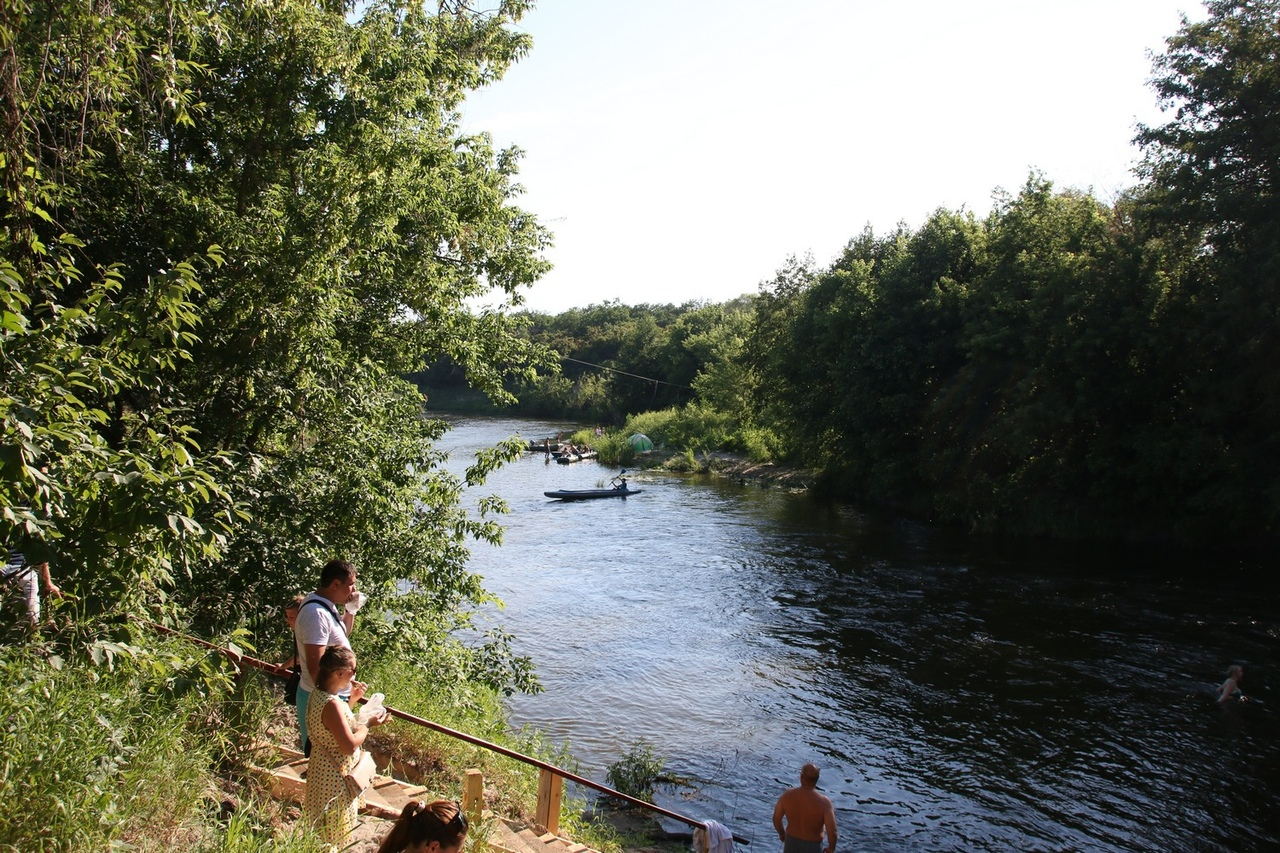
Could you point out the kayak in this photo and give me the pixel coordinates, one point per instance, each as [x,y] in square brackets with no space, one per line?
[589,494]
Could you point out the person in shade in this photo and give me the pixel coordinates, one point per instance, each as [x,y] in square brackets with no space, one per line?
[291,617]
[437,827]
[802,815]
[1230,688]
[20,583]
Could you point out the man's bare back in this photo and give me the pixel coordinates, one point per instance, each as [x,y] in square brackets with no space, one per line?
[806,814]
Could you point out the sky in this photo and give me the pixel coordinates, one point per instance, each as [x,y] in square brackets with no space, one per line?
[683,151]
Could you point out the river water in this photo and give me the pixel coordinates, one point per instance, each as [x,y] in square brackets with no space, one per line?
[957,694]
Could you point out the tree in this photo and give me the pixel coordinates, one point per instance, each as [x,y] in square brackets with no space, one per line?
[245,221]
[1214,175]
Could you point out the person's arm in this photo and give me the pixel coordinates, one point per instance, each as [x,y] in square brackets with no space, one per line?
[311,659]
[829,819]
[50,587]
[349,739]
[348,621]
[777,820]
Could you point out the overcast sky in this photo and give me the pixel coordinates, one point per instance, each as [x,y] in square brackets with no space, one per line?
[683,150]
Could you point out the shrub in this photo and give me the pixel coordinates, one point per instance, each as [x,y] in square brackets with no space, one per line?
[637,772]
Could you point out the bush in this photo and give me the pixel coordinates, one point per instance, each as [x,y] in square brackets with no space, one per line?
[637,772]
[613,449]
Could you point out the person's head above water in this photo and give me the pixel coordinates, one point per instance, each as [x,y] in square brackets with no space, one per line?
[809,775]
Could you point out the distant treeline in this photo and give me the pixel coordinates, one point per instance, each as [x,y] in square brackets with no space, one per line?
[615,360]
[1062,366]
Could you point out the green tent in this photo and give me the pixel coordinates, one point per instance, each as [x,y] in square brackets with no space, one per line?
[640,442]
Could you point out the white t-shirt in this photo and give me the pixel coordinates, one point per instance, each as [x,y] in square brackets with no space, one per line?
[317,625]
[21,587]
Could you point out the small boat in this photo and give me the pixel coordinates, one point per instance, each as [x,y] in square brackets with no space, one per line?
[590,494]
[568,458]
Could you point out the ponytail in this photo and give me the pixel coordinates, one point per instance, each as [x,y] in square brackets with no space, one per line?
[441,821]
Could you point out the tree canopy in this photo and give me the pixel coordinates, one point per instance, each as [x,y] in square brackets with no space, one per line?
[228,229]
[1060,366]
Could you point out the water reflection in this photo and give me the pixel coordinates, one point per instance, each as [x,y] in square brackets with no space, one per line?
[959,694]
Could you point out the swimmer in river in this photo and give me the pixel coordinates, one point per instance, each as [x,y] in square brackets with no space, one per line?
[802,815]
[1230,688]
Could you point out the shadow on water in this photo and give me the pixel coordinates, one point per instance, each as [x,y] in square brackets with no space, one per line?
[959,694]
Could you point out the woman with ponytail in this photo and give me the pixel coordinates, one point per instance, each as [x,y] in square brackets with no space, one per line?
[438,827]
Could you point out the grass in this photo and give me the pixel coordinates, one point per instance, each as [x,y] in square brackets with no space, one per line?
[688,430]
[123,757]
[147,750]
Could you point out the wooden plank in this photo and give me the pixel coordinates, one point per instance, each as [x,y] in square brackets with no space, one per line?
[287,784]
[504,837]
[473,795]
[550,791]
[376,804]
[531,839]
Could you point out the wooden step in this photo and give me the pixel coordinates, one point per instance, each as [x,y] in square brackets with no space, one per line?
[387,796]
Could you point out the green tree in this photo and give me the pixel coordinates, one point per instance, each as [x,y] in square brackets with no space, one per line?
[229,229]
[1211,197]
[1021,416]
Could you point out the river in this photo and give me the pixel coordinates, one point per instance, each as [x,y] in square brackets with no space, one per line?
[958,694]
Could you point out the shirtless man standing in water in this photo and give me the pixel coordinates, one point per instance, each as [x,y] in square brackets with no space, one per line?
[807,813]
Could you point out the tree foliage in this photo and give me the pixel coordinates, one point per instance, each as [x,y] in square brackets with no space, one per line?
[1061,365]
[229,228]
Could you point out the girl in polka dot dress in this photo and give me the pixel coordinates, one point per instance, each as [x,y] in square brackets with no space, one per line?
[336,738]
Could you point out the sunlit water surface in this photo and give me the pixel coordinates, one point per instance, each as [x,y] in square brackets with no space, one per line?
[957,694]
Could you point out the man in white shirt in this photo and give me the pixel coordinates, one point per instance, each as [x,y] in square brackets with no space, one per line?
[20,582]
[325,619]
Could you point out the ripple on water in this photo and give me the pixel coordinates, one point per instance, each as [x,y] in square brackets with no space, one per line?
[958,694]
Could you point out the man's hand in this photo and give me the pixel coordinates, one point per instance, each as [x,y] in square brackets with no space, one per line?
[50,588]
[355,602]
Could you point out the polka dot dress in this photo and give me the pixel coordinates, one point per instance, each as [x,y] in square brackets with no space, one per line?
[328,806]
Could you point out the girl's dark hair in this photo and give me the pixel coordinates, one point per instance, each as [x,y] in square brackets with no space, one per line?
[334,659]
[422,823]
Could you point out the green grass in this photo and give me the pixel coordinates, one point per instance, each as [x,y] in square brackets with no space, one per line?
[124,757]
[147,750]
[691,430]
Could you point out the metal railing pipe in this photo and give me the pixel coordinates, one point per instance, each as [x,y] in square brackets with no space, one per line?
[274,669]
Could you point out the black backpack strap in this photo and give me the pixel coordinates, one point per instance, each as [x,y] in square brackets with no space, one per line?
[326,610]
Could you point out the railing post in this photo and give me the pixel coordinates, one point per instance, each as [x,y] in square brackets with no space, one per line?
[550,783]
[550,789]
[473,796]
